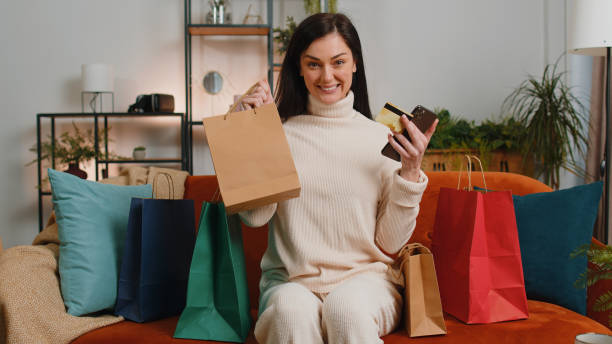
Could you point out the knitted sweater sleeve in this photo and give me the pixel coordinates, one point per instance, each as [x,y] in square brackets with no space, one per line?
[398,208]
[259,216]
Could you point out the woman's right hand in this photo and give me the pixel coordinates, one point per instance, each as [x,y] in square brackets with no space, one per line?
[259,96]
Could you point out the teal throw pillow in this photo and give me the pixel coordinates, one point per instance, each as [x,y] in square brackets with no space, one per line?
[550,226]
[92,222]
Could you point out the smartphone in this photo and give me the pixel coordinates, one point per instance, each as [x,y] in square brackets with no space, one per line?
[422,117]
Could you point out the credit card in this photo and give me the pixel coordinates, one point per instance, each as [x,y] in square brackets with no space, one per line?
[390,115]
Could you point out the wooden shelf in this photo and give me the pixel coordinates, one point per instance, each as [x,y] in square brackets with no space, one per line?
[138,161]
[111,114]
[228,30]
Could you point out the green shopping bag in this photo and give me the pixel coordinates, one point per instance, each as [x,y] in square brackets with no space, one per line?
[217,295]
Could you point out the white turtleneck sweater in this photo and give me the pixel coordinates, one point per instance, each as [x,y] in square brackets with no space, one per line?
[353,207]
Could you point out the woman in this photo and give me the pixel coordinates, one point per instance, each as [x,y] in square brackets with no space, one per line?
[326,274]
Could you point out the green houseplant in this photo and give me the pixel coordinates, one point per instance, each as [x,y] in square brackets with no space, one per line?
[553,118]
[282,36]
[72,148]
[600,268]
[502,134]
[496,141]
[314,6]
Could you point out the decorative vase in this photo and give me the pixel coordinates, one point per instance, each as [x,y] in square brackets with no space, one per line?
[73,168]
[219,13]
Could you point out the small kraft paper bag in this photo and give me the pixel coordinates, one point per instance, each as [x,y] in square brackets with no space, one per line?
[155,266]
[423,315]
[478,259]
[251,157]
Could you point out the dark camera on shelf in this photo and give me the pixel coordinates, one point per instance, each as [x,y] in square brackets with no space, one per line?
[155,102]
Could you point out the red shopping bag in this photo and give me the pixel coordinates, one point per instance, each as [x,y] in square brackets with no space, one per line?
[477,255]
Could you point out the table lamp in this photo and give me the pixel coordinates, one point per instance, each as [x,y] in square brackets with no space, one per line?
[590,33]
[97,79]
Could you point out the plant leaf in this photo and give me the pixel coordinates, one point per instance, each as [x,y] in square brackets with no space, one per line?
[604,302]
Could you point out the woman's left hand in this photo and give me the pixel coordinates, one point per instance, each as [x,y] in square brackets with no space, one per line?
[411,153]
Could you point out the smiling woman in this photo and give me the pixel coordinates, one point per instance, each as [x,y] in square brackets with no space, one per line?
[325,275]
[327,67]
[328,42]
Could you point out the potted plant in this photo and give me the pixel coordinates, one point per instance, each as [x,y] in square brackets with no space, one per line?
[553,119]
[71,149]
[314,6]
[283,36]
[219,12]
[495,141]
[599,268]
[139,153]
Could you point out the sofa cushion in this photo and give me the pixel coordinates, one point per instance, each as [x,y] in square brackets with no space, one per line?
[92,221]
[551,225]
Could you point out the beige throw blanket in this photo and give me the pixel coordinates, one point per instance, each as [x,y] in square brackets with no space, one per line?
[31,306]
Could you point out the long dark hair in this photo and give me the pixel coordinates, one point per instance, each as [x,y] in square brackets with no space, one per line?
[291,93]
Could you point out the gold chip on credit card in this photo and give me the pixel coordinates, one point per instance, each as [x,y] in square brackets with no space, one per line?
[390,116]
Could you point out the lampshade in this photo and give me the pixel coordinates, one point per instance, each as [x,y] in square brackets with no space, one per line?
[590,27]
[97,77]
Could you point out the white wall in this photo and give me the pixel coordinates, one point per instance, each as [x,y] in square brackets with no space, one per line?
[579,78]
[462,55]
[466,56]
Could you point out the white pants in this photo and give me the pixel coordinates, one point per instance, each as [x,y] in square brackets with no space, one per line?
[359,310]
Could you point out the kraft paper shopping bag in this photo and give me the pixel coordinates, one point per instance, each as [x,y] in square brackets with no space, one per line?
[423,315]
[217,295]
[478,260]
[251,158]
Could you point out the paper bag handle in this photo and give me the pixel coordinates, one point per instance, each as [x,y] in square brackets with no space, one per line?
[233,107]
[217,195]
[170,184]
[469,173]
[406,251]
[413,249]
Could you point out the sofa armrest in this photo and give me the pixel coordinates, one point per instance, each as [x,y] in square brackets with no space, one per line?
[596,290]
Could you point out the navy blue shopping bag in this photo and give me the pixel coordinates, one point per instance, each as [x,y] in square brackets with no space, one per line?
[156,259]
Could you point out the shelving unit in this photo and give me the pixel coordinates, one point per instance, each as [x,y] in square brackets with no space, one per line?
[193,29]
[95,117]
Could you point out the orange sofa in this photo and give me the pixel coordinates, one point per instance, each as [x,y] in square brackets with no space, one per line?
[547,323]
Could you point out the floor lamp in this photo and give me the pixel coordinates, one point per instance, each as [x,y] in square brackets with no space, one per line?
[590,33]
